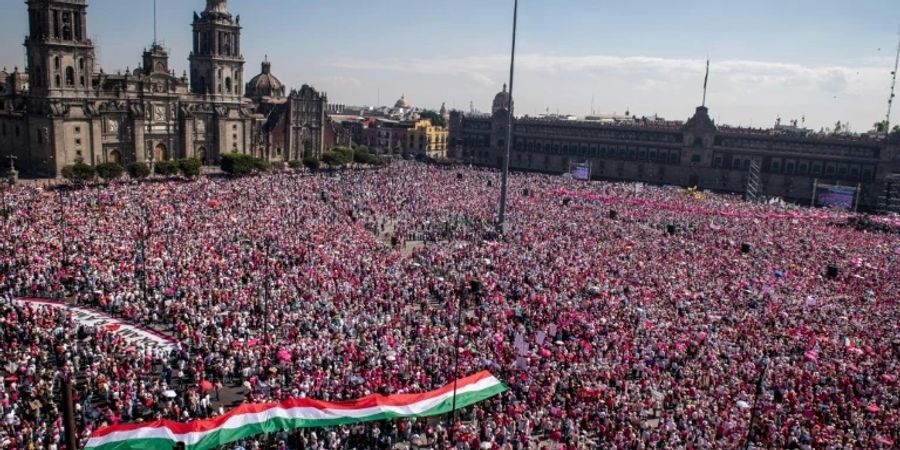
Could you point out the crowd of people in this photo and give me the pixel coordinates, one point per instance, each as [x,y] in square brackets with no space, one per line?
[621,316]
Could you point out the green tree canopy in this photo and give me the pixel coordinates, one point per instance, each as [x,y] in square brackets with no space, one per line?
[190,167]
[138,170]
[110,171]
[311,163]
[241,164]
[166,168]
[79,172]
[436,119]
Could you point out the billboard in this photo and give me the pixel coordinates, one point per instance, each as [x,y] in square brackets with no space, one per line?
[581,172]
[839,197]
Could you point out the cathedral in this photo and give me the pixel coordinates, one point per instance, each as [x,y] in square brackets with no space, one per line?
[60,110]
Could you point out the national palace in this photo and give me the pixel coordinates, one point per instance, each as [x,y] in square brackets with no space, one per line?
[783,162]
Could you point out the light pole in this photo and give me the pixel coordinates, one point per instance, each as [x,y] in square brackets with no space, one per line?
[501,224]
[266,274]
[145,230]
[473,290]
[760,383]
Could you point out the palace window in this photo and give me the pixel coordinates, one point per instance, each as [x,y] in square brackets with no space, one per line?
[228,85]
[56,63]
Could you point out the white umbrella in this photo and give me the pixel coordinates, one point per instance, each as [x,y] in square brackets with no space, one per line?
[169,394]
[743,405]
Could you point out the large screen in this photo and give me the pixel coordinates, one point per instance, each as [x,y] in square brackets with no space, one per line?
[581,172]
[836,197]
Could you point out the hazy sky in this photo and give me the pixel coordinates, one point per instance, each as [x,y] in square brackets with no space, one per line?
[829,60]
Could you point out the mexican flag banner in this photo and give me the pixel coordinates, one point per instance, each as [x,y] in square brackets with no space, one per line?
[253,419]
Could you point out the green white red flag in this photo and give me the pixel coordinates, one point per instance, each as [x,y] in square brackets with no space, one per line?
[254,419]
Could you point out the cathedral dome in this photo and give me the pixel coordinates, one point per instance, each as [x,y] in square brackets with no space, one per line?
[265,85]
[402,103]
[501,101]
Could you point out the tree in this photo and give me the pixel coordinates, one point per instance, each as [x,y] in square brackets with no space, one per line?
[79,172]
[294,164]
[138,170]
[367,158]
[337,158]
[346,152]
[110,171]
[436,119]
[261,165]
[241,164]
[311,163]
[190,167]
[166,168]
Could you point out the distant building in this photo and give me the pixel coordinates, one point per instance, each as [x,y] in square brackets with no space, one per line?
[696,153]
[425,139]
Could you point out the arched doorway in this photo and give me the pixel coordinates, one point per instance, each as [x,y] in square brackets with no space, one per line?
[159,152]
[694,181]
[201,155]
[115,156]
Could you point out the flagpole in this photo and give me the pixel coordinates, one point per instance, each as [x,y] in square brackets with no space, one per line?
[154,22]
[705,83]
[504,189]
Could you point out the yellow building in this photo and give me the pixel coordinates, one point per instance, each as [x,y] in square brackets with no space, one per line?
[425,139]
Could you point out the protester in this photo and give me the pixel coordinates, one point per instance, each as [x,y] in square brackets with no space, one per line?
[611,333]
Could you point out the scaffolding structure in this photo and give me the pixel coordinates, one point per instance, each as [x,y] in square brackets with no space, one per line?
[754,181]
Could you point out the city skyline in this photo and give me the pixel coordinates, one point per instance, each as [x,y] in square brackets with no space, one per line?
[827,63]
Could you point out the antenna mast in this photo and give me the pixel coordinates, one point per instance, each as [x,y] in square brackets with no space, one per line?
[887,120]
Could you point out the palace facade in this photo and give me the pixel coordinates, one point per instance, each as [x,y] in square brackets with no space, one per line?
[776,163]
[60,110]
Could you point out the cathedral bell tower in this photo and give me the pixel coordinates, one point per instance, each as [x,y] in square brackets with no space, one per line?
[217,66]
[60,56]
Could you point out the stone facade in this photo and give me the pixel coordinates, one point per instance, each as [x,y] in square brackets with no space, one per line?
[696,153]
[61,111]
